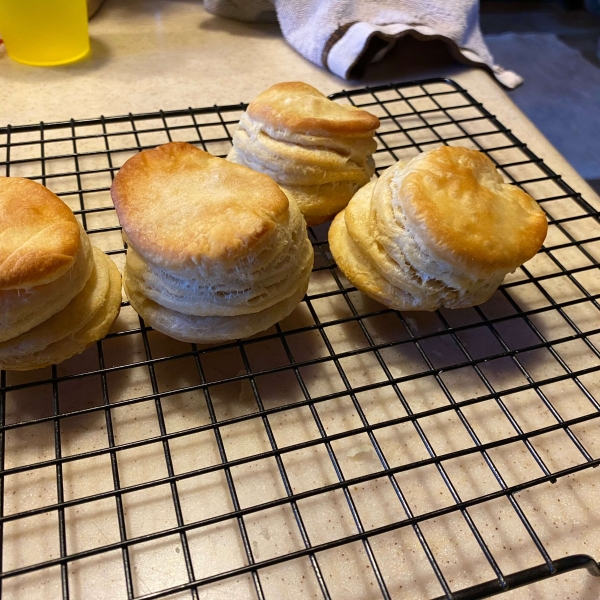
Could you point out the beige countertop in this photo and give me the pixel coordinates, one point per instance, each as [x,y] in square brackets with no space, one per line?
[149,55]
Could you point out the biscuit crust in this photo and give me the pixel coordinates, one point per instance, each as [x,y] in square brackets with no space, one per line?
[439,231]
[212,329]
[71,318]
[21,310]
[459,207]
[300,108]
[182,207]
[318,151]
[86,319]
[39,235]
[361,271]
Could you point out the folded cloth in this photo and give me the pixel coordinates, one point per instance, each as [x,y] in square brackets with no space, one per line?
[344,36]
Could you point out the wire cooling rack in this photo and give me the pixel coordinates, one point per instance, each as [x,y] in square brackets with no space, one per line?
[351,451]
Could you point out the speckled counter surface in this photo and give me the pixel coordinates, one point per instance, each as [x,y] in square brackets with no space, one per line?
[149,55]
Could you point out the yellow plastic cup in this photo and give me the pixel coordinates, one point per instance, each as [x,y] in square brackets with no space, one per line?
[45,32]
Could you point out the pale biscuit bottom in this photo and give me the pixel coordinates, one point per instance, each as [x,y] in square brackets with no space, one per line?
[320,195]
[21,310]
[320,203]
[210,330]
[87,318]
[361,272]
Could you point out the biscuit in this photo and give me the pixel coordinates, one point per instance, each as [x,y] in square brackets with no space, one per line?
[24,308]
[442,230]
[318,151]
[40,235]
[208,239]
[45,256]
[53,283]
[86,319]
[212,329]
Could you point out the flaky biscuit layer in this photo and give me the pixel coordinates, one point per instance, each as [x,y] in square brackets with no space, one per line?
[213,329]
[318,151]
[421,259]
[39,235]
[251,287]
[84,321]
[23,309]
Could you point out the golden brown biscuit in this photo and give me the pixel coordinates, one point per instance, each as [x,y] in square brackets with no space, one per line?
[85,320]
[214,249]
[318,151]
[183,209]
[45,256]
[464,214]
[300,108]
[52,282]
[39,235]
[441,230]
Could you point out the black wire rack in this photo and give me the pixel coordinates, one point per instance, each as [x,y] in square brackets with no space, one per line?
[350,450]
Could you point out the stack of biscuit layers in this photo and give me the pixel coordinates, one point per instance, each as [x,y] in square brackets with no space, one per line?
[318,151]
[215,251]
[442,230]
[58,293]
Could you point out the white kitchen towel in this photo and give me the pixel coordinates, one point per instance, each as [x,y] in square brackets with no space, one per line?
[344,36]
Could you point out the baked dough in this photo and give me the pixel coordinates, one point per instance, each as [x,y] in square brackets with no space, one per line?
[318,151]
[442,230]
[24,308]
[213,329]
[86,319]
[40,235]
[216,251]
[54,286]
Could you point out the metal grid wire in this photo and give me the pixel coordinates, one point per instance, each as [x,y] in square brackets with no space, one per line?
[213,450]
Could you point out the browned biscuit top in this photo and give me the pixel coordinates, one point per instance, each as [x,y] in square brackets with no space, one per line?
[461,209]
[300,108]
[180,206]
[39,235]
